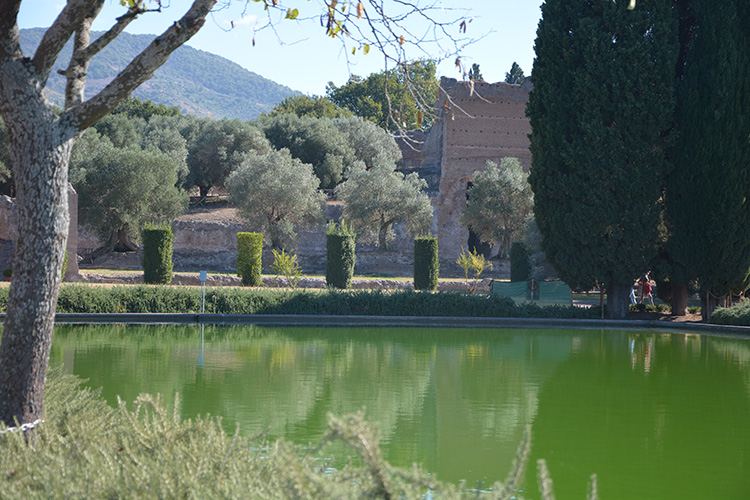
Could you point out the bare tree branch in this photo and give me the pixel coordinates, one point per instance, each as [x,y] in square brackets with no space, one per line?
[114,31]
[55,38]
[141,68]
[76,73]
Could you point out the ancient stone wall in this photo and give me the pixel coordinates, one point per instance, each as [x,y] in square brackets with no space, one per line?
[477,122]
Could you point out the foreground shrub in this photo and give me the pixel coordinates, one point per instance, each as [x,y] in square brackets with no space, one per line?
[737,315]
[426,263]
[86,449]
[250,258]
[157,255]
[340,255]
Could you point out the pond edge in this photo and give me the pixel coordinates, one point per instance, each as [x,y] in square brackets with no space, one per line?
[415,321]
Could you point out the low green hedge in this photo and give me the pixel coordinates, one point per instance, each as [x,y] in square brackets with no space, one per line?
[167,299]
[737,315]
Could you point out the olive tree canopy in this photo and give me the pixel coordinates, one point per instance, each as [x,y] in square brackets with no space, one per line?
[498,203]
[377,198]
[277,195]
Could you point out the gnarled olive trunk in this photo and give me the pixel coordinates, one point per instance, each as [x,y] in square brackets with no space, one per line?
[41,151]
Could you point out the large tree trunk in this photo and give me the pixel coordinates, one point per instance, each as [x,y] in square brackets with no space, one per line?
[124,243]
[40,153]
[618,300]
[709,303]
[679,299]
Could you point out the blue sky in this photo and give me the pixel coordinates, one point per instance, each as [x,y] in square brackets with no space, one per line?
[300,56]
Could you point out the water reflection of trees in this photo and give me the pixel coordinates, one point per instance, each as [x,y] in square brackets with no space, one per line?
[656,410]
[431,392]
[456,400]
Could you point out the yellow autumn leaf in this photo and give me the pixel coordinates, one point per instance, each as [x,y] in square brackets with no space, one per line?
[366,49]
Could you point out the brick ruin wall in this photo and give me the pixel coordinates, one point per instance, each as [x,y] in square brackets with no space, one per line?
[476,122]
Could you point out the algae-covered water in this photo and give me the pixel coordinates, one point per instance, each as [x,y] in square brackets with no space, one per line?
[654,415]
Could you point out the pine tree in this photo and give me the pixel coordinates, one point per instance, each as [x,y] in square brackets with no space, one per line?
[475,74]
[515,75]
[707,191]
[602,104]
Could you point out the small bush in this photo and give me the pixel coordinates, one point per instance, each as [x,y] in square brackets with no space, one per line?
[694,309]
[157,255]
[520,262]
[426,263]
[285,264]
[8,272]
[737,315]
[474,265]
[340,255]
[249,258]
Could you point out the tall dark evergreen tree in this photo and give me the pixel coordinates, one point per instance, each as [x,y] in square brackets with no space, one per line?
[600,111]
[708,209]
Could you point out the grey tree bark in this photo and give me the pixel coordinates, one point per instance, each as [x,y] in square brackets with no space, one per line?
[41,143]
[618,300]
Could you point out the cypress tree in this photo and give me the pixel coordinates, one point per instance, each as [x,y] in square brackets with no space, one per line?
[600,111]
[708,210]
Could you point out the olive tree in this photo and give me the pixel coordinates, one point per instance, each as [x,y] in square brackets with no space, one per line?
[498,203]
[277,195]
[122,189]
[216,151]
[377,198]
[313,141]
[368,141]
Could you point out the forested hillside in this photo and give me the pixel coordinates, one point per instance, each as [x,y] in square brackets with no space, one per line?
[195,81]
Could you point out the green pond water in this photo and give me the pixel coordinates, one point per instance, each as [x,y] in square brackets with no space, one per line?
[654,415]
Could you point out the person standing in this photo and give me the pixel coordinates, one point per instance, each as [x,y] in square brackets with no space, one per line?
[646,289]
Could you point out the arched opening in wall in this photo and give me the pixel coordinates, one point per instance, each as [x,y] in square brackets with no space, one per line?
[475,243]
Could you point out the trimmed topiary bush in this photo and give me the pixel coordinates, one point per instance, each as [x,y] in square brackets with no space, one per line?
[249,258]
[426,264]
[520,262]
[157,255]
[340,254]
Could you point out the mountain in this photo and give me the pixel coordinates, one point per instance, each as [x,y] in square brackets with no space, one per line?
[195,81]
